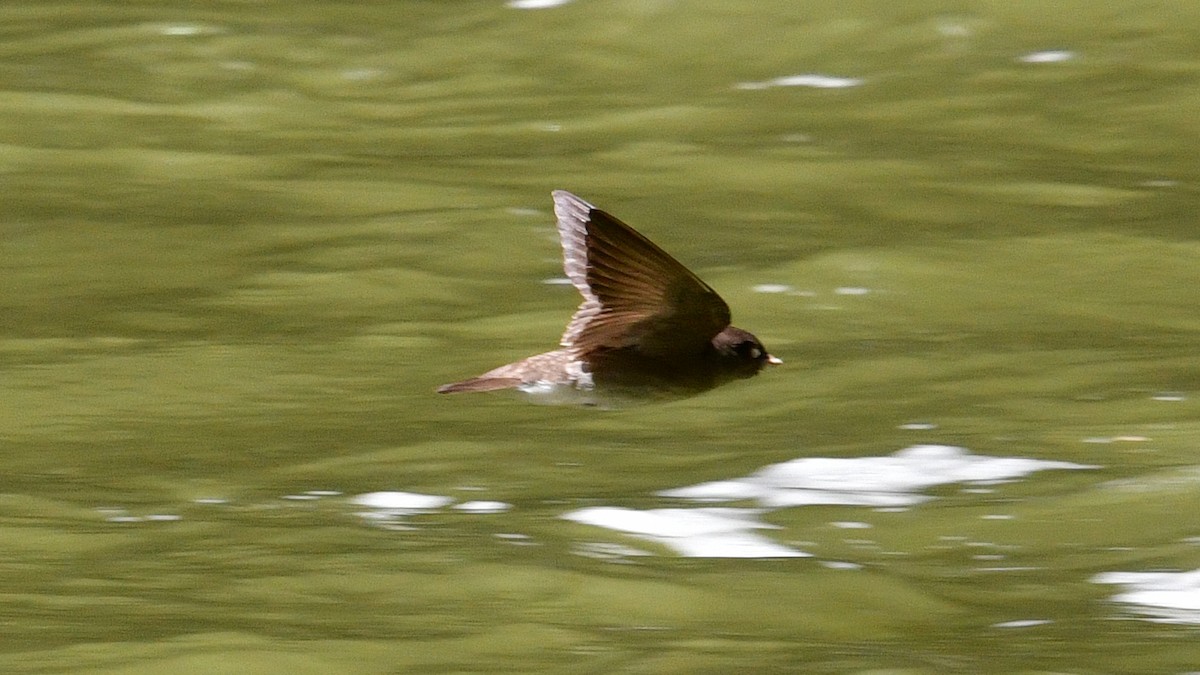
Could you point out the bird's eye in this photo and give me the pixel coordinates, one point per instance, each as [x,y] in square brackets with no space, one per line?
[752,350]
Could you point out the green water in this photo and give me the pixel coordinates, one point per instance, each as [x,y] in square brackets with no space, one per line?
[241,244]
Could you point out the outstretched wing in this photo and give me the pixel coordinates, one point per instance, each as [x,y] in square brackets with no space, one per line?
[634,293]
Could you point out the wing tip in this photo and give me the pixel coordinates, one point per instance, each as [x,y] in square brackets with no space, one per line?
[570,206]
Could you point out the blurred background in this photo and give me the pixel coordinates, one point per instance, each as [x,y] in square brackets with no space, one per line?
[242,243]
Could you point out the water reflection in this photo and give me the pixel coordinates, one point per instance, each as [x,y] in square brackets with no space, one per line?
[891,481]
[243,242]
[1167,597]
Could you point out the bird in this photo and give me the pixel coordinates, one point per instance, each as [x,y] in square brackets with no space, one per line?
[647,327]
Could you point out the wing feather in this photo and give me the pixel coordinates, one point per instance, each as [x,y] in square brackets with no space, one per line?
[634,293]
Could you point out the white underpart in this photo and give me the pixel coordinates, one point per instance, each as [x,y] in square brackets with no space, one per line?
[578,392]
[581,377]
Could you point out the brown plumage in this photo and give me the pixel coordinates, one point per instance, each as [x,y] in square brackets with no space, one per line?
[647,324]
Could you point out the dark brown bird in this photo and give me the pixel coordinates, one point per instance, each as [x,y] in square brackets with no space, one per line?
[647,327]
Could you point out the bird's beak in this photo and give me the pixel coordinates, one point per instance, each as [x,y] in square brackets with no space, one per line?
[774,360]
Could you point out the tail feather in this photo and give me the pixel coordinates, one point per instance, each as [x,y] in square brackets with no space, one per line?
[479,384]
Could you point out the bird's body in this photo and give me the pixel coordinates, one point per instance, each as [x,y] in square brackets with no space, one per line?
[647,327]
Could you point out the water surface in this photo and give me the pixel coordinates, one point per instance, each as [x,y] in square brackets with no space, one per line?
[242,244]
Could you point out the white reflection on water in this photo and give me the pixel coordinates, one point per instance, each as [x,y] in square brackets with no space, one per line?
[1163,597]
[483,506]
[536,4]
[401,502]
[1048,56]
[890,481]
[694,533]
[812,80]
